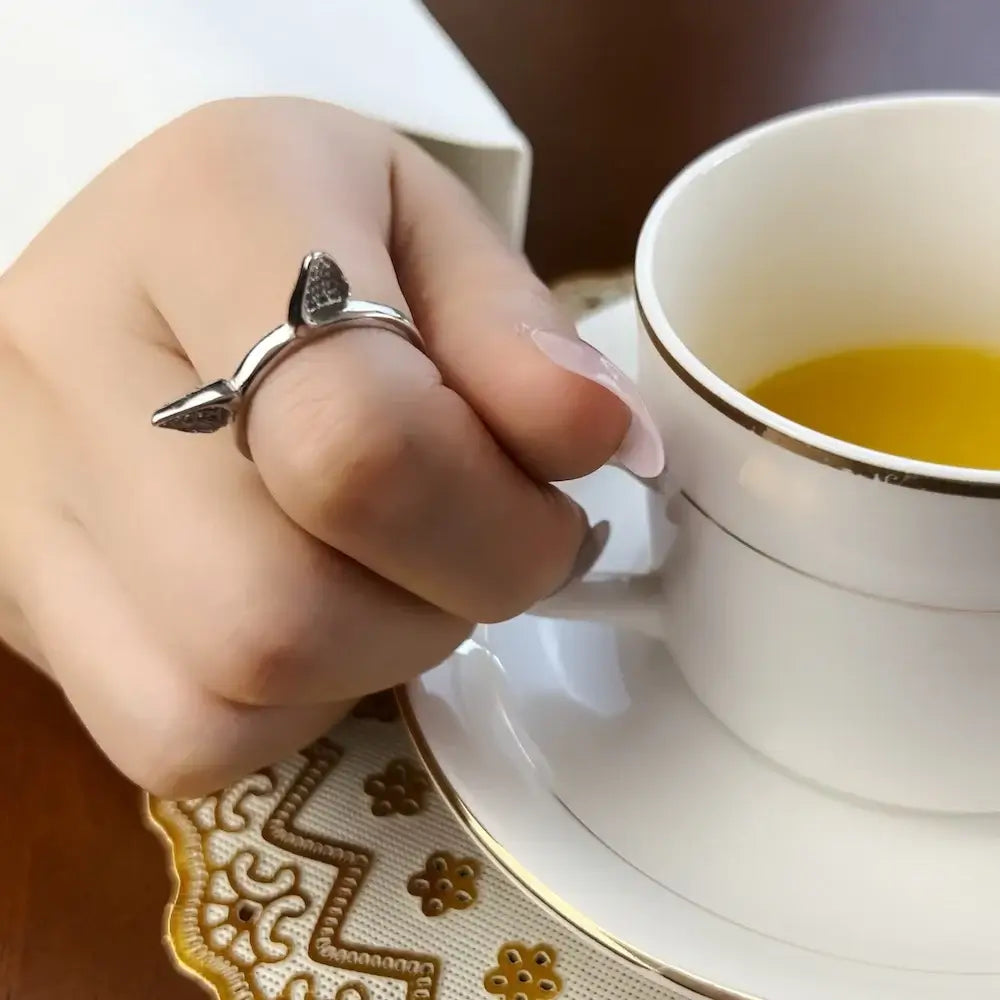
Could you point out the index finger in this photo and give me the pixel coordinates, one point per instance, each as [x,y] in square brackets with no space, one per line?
[502,342]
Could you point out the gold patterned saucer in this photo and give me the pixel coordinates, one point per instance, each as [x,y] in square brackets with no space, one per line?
[340,874]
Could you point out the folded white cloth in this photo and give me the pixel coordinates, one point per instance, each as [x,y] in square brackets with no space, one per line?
[82,82]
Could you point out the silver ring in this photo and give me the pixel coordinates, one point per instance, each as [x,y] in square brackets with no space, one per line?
[320,305]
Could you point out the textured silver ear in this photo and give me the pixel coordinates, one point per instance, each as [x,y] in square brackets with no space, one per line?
[320,294]
[203,411]
[320,306]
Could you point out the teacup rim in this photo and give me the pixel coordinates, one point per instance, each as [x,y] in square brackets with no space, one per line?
[797,438]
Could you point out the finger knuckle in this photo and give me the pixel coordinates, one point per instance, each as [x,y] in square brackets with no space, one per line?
[412,654]
[342,472]
[261,633]
[493,611]
[211,141]
[518,595]
[588,420]
[265,662]
[510,592]
[537,565]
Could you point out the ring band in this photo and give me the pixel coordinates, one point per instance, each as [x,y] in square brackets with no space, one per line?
[320,305]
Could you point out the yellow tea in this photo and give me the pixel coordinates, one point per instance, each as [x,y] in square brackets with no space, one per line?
[932,403]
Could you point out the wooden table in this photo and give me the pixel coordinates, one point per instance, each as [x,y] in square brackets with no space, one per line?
[615,98]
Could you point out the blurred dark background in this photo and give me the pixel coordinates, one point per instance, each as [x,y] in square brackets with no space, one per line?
[617,95]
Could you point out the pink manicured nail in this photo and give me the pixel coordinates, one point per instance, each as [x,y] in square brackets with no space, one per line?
[641,452]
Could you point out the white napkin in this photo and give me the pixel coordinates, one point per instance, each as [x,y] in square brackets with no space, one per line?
[82,82]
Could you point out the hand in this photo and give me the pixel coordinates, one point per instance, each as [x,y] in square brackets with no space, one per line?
[206,615]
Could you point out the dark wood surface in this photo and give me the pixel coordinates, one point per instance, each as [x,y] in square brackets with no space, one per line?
[615,98]
[83,883]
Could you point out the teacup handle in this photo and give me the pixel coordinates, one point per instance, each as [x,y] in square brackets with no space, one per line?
[624,600]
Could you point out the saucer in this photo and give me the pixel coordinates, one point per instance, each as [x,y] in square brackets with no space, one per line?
[579,759]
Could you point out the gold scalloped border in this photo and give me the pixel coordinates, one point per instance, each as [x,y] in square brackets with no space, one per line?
[181,841]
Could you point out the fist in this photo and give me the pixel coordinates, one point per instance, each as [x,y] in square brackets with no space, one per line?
[204,614]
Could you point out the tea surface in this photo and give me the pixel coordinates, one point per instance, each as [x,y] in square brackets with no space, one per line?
[932,403]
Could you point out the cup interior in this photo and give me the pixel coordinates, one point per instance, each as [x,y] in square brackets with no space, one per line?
[861,223]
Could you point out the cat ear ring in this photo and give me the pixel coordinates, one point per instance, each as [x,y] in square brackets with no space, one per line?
[320,305]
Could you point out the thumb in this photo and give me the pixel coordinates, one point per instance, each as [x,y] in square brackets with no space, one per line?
[501,342]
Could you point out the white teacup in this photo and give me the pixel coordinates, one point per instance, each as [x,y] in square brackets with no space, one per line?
[837,608]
